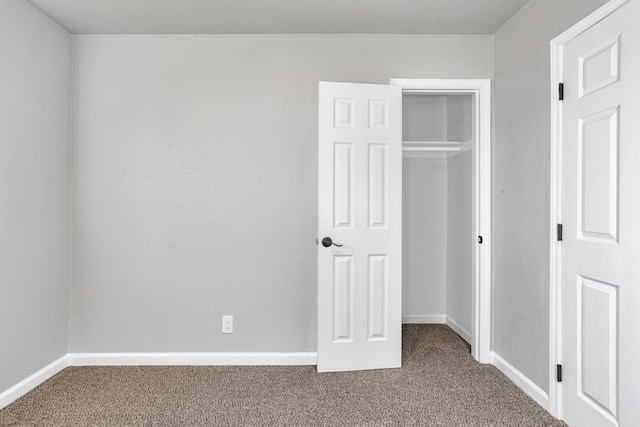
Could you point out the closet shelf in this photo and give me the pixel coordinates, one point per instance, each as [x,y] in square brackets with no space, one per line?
[431,143]
[444,147]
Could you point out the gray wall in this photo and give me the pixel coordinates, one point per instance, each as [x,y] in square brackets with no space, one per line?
[424,118]
[35,83]
[196,181]
[424,236]
[521,186]
[460,117]
[424,210]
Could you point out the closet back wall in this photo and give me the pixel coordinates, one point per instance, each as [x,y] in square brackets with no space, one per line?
[195,181]
[424,239]
[424,212]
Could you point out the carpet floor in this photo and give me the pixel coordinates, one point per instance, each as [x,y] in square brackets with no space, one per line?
[439,384]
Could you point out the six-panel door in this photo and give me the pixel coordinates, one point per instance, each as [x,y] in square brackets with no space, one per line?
[360,208]
[600,294]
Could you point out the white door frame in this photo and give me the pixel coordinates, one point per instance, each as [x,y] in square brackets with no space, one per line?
[481,298]
[557,71]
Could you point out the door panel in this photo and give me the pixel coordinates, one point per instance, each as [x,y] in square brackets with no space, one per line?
[343,184]
[598,175]
[599,67]
[360,190]
[597,358]
[600,282]
[378,289]
[343,298]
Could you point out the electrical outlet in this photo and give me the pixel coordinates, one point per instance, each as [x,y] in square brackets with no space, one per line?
[227,324]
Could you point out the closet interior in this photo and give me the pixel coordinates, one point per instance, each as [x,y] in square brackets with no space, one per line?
[438,243]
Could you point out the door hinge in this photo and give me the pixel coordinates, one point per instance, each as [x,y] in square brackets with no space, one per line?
[559,373]
[480,239]
[559,232]
[561,91]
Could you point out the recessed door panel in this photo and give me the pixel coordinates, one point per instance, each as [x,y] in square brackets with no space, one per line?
[378,184]
[378,285]
[343,113]
[378,114]
[598,346]
[342,298]
[343,185]
[600,68]
[598,175]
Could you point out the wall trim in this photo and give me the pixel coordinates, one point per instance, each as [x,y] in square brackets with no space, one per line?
[424,318]
[192,359]
[521,380]
[555,254]
[32,381]
[464,334]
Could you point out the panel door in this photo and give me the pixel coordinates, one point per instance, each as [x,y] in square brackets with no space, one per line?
[360,209]
[600,282]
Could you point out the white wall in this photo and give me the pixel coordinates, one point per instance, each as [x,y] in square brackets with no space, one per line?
[35,84]
[424,236]
[521,187]
[196,181]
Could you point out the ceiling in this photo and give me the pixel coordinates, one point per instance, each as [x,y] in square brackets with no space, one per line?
[280,16]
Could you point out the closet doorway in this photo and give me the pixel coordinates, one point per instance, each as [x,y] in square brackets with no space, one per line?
[446,207]
[360,221]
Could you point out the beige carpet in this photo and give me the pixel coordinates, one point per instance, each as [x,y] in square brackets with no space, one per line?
[438,385]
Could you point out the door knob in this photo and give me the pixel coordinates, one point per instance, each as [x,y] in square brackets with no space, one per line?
[326,242]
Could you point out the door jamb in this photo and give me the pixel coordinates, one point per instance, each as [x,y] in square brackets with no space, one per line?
[555,283]
[481,295]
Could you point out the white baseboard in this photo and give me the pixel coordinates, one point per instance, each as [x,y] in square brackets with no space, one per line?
[153,359]
[424,318]
[464,334]
[528,386]
[191,359]
[238,359]
[32,381]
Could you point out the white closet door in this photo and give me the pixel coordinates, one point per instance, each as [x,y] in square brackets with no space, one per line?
[360,191]
[600,348]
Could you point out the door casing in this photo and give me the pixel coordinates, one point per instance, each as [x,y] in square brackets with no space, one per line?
[480,89]
[557,71]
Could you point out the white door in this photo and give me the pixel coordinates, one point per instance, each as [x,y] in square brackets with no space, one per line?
[600,282]
[360,209]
